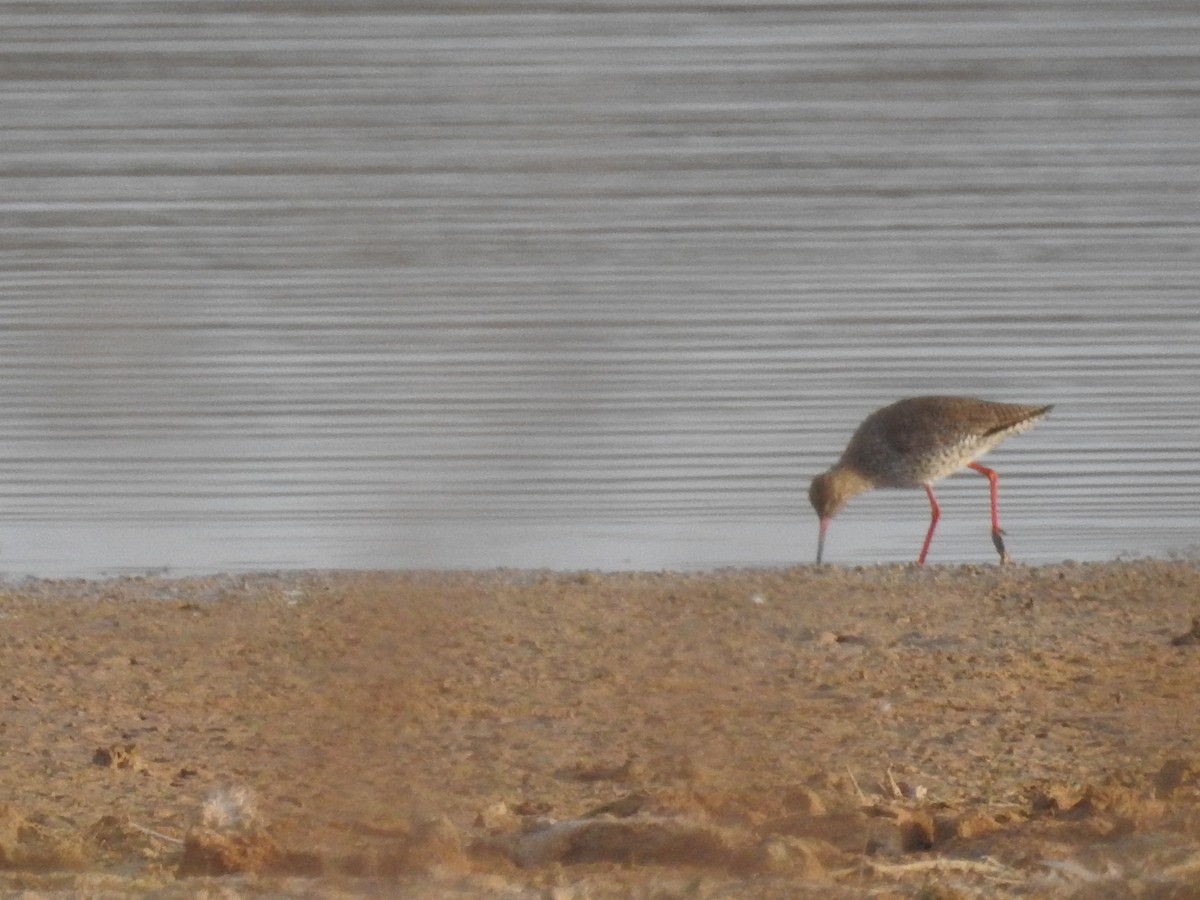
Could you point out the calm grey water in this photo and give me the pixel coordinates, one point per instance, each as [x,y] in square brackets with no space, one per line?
[587,285]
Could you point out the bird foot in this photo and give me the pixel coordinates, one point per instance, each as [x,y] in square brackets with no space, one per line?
[998,541]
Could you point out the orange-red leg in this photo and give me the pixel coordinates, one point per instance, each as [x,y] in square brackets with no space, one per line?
[997,532]
[935,513]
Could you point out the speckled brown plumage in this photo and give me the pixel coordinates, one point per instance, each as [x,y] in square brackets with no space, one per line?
[913,443]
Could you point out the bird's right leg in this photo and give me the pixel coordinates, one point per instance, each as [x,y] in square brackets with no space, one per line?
[935,513]
[997,531]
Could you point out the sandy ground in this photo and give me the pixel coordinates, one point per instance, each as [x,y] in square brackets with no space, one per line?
[881,732]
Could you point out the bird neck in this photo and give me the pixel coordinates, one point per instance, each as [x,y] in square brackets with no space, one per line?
[850,482]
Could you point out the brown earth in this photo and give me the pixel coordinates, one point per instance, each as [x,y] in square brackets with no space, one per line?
[881,732]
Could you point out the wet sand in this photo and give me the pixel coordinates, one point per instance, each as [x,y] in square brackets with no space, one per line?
[884,732]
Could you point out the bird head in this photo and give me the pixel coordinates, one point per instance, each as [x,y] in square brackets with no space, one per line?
[829,492]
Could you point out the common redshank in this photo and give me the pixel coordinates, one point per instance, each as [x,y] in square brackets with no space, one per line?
[913,443]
